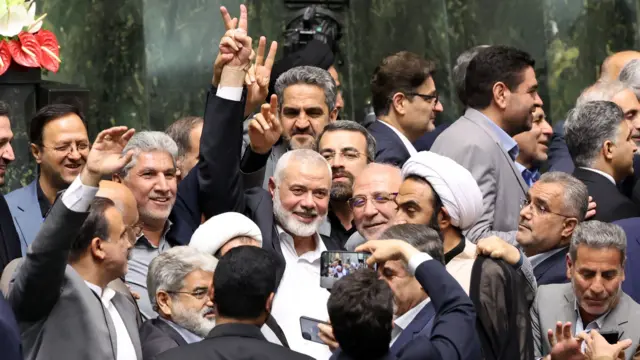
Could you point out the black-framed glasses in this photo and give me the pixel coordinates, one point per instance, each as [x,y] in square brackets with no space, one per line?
[380,198]
[540,209]
[199,294]
[426,97]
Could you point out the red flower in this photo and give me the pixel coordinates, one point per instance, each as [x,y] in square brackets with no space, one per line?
[5,57]
[26,51]
[50,53]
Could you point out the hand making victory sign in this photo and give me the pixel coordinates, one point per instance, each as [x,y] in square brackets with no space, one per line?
[265,128]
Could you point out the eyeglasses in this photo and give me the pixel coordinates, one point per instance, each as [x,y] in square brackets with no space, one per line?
[347,154]
[378,198]
[199,294]
[539,209]
[425,97]
[68,148]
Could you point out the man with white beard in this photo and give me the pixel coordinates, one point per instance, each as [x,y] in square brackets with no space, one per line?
[180,288]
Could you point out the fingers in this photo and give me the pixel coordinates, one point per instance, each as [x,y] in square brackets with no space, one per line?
[566,331]
[273,103]
[558,336]
[226,18]
[262,44]
[623,345]
[124,139]
[242,25]
[111,132]
[126,158]
[271,57]
[254,125]
[229,42]
[263,116]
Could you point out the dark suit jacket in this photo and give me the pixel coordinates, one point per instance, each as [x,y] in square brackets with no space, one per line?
[233,341]
[612,204]
[195,190]
[631,284]
[425,142]
[339,355]
[389,147]
[421,325]
[559,157]
[9,239]
[10,344]
[553,270]
[157,337]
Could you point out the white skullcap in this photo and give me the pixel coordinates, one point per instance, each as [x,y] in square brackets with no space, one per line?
[454,184]
[217,231]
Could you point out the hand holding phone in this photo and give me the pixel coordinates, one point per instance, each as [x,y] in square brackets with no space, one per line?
[309,329]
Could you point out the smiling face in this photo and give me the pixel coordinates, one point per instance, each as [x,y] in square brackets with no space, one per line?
[192,307]
[533,144]
[520,104]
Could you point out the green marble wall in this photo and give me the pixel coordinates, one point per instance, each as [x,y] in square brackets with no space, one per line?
[148,62]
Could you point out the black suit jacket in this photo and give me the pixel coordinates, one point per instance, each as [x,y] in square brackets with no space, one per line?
[9,240]
[195,191]
[156,337]
[612,204]
[389,147]
[631,284]
[553,270]
[339,355]
[233,341]
[10,344]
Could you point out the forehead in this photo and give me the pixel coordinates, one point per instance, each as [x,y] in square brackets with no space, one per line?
[156,160]
[114,217]
[67,125]
[308,175]
[427,86]
[412,189]
[198,278]
[377,179]
[340,139]
[303,95]
[5,127]
[593,258]
[550,192]
[627,100]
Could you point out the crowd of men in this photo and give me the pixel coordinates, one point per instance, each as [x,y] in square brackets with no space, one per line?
[495,236]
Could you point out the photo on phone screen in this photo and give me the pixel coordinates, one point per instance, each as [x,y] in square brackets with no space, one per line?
[309,329]
[336,264]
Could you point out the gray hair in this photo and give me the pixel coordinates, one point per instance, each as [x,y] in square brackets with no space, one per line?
[309,75]
[168,270]
[459,71]
[598,235]
[630,76]
[588,126]
[180,132]
[303,156]
[149,141]
[348,125]
[576,195]
[601,91]
[421,237]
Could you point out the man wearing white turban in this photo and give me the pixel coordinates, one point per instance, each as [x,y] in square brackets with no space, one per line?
[223,232]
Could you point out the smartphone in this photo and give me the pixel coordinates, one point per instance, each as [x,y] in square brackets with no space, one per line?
[612,337]
[310,330]
[336,264]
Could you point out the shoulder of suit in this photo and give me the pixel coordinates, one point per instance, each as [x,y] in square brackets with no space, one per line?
[548,291]
[18,195]
[465,132]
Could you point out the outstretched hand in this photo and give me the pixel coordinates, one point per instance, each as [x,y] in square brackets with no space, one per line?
[235,45]
[384,250]
[105,157]
[265,128]
[259,76]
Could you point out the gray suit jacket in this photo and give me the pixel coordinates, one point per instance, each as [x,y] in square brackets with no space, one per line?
[59,316]
[478,149]
[556,302]
[25,209]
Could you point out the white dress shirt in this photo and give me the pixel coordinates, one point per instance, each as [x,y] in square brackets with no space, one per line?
[412,150]
[402,321]
[78,197]
[300,294]
[124,345]
[613,181]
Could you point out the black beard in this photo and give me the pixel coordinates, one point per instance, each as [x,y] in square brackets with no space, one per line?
[341,192]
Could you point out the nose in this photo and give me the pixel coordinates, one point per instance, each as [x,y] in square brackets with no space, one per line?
[546,128]
[307,201]
[369,209]
[302,122]
[162,185]
[74,154]
[8,154]
[524,212]
[337,163]
[439,107]
[538,100]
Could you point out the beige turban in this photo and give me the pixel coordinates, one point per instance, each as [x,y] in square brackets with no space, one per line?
[454,184]
[217,231]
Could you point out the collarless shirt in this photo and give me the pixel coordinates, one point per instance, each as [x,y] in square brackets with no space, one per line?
[43,201]
[300,294]
[609,177]
[539,258]
[407,144]
[332,227]
[141,255]
[506,141]
[402,321]
[124,346]
[187,335]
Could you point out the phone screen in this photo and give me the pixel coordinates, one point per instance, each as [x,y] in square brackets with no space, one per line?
[611,336]
[309,329]
[334,265]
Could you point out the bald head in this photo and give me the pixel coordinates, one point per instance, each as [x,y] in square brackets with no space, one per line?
[612,65]
[122,197]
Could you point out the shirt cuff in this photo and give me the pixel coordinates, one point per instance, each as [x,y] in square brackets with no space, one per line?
[78,197]
[519,263]
[416,260]
[230,93]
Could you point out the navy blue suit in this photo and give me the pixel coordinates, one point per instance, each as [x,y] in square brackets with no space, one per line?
[389,147]
[425,141]
[10,344]
[553,270]
[421,325]
[559,157]
[631,284]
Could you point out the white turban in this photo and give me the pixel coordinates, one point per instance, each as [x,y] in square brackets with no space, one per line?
[217,231]
[454,184]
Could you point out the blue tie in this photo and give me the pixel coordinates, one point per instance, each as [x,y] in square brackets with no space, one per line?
[530,177]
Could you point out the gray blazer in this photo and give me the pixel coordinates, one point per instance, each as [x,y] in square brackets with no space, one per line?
[25,209]
[59,316]
[556,302]
[478,149]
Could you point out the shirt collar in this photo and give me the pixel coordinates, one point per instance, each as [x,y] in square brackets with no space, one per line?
[506,141]
[142,240]
[539,258]
[405,319]
[311,256]
[601,173]
[410,148]
[105,295]
[530,176]
[187,335]
[599,321]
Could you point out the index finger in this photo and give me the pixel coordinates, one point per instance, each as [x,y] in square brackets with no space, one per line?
[271,57]
[242,24]
[274,104]
[226,18]
[262,44]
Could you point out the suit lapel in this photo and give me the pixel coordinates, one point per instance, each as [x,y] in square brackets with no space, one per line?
[124,309]
[170,331]
[618,317]
[568,309]
[422,320]
[548,263]
[383,128]
[29,215]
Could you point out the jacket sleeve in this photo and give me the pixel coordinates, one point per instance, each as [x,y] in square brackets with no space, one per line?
[536,331]
[39,281]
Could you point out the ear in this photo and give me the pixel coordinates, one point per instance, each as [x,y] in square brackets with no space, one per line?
[116,178]
[36,152]
[333,115]
[569,225]
[163,301]
[269,304]
[272,186]
[569,266]
[607,149]
[397,102]
[501,94]
[444,220]
[97,248]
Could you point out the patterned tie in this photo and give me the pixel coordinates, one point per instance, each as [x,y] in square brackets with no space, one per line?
[530,177]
